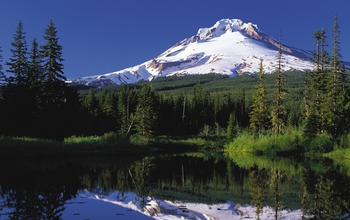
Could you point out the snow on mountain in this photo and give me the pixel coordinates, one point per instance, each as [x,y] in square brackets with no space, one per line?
[229,47]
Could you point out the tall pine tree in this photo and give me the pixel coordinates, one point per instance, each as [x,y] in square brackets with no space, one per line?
[56,97]
[16,95]
[18,64]
[337,98]
[314,93]
[35,76]
[259,113]
[53,77]
[278,111]
[146,111]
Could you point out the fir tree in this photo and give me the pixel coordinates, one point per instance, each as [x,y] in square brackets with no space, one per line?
[314,93]
[91,103]
[259,113]
[53,78]
[146,112]
[311,127]
[18,64]
[231,126]
[317,55]
[278,111]
[125,108]
[16,96]
[337,98]
[35,69]
[56,96]
[35,72]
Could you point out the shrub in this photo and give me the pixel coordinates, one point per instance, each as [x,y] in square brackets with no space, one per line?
[321,144]
[250,142]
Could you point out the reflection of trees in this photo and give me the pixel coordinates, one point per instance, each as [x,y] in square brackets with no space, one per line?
[258,184]
[37,194]
[276,178]
[41,193]
[142,178]
[52,202]
[20,201]
[327,196]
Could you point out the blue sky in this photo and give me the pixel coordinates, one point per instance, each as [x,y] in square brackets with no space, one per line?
[101,36]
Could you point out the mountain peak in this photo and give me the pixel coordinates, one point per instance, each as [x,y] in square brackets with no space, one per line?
[229,47]
[227,25]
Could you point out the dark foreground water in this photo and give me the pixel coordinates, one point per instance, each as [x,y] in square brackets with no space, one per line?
[40,188]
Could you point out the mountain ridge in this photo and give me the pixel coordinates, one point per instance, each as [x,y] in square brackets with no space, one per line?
[229,47]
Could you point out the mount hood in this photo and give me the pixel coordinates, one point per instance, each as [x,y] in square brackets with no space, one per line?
[230,47]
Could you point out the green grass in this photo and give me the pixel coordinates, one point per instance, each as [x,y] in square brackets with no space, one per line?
[109,144]
[249,142]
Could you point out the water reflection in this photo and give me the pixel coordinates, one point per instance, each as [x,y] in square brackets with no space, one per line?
[317,186]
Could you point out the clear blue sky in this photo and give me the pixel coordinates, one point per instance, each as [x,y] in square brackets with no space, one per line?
[101,36]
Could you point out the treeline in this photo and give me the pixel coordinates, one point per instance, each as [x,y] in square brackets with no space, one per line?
[199,109]
[147,112]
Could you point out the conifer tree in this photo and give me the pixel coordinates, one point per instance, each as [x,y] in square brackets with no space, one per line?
[337,98]
[53,78]
[278,111]
[35,72]
[231,126]
[91,103]
[241,113]
[56,96]
[198,107]
[123,111]
[18,64]
[35,69]
[317,55]
[125,108]
[146,111]
[259,113]
[314,93]
[17,96]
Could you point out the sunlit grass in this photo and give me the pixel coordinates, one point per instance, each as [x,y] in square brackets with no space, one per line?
[107,144]
[249,142]
[107,140]
[26,142]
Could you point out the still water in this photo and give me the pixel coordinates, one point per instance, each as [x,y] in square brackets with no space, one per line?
[319,187]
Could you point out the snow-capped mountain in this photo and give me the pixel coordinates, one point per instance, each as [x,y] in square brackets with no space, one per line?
[229,47]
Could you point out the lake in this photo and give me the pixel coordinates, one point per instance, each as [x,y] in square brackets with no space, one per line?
[166,186]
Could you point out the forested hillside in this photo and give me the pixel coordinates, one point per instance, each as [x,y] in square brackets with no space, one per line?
[190,104]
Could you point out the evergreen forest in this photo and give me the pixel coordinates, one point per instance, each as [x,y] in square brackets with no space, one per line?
[36,101]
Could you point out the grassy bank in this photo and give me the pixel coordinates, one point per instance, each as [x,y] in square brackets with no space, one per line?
[268,144]
[288,143]
[108,144]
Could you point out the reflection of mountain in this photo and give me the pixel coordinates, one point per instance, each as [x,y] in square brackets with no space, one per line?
[229,47]
[211,179]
